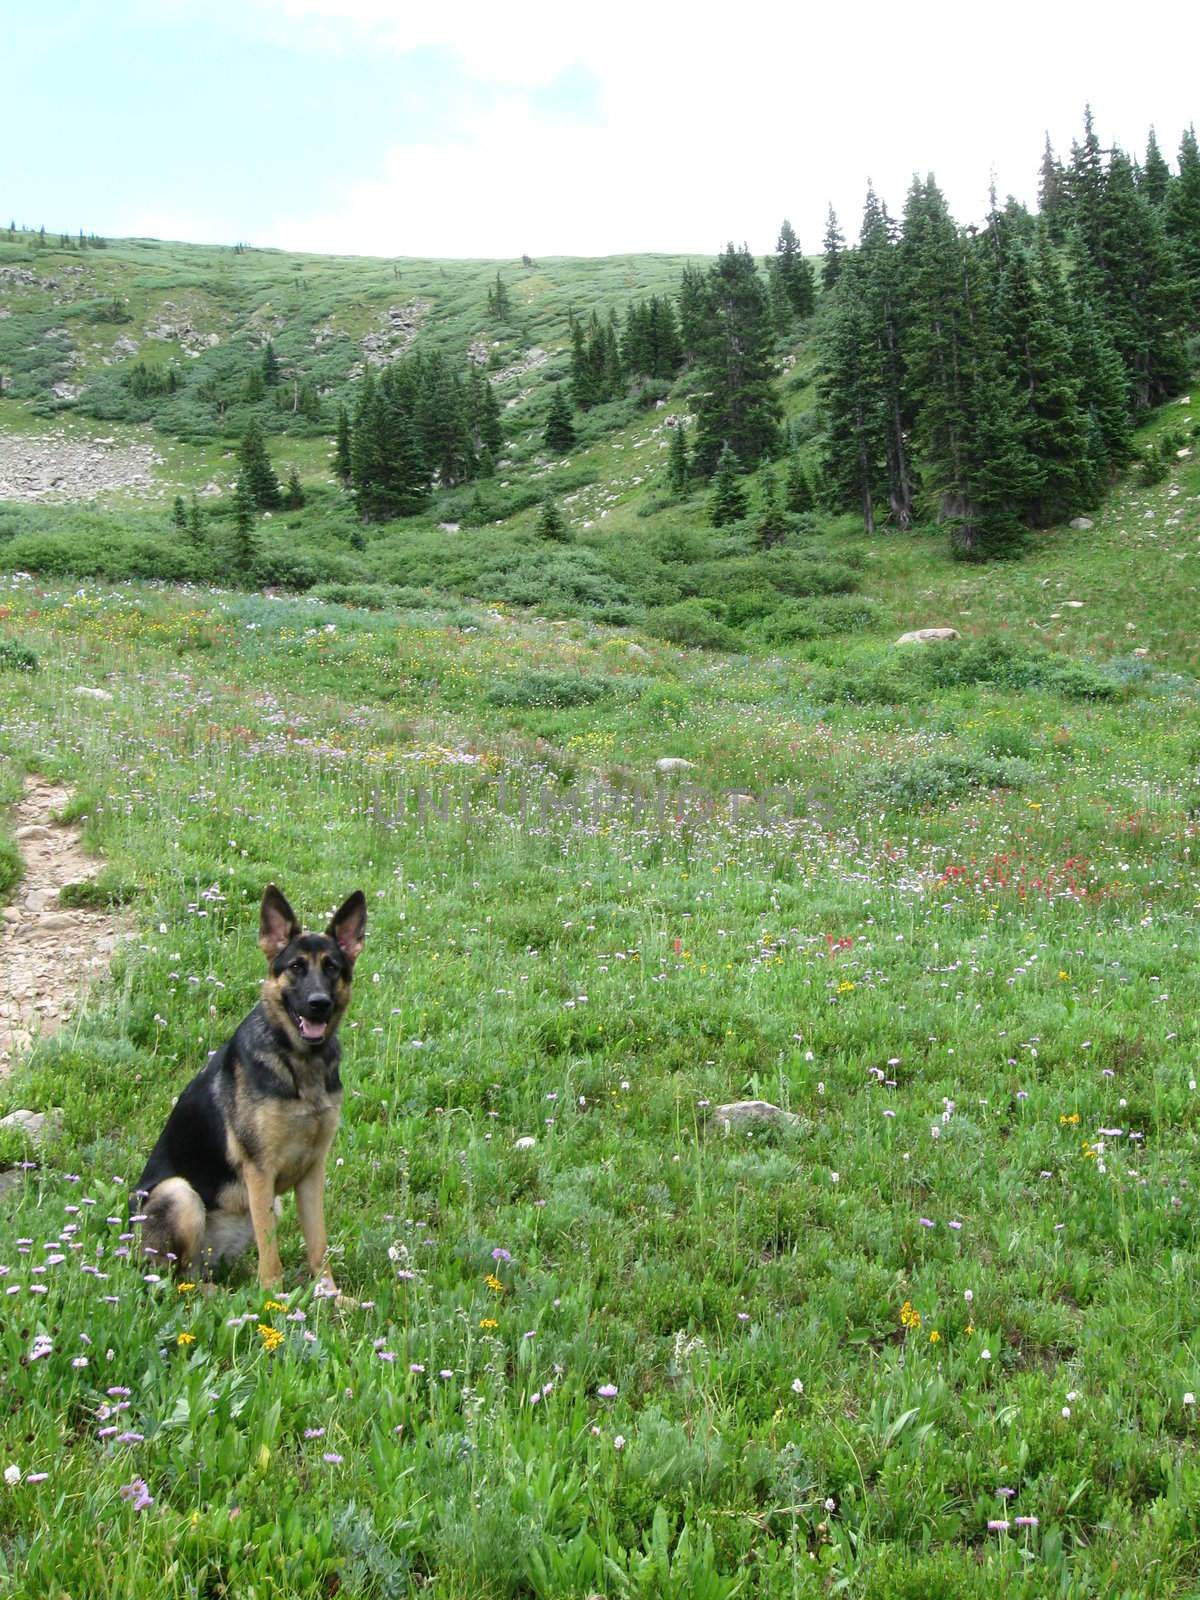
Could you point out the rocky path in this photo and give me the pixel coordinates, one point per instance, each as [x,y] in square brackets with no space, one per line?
[48,953]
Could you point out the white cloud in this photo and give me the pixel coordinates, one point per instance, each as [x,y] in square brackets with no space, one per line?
[716,126]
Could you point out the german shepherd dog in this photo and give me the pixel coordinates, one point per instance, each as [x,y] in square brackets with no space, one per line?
[259,1119]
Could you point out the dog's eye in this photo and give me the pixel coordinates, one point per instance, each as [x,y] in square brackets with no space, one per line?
[330,967]
[297,966]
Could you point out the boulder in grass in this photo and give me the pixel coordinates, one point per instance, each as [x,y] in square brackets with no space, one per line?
[674,764]
[754,1114]
[1082,523]
[35,1125]
[928,636]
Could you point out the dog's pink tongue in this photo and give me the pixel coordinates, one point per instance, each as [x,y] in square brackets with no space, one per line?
[312,1030]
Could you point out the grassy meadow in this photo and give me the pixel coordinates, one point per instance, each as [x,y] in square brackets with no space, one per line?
[935,1338]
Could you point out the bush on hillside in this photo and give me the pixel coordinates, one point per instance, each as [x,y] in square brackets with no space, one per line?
[932,780]
[691,622]
[16,657]
[796,620]
[549,689]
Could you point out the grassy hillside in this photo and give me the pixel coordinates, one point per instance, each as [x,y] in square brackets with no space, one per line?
[934,1337]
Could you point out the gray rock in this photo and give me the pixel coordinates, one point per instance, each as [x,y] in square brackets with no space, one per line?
[36,1125]
[674,764]
[928,636]
[81,691]
[754,1114]
[1082,523]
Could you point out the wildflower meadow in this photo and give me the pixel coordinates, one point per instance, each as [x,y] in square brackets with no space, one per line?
[935,1335]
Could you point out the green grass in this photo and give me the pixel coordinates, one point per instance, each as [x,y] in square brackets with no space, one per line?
[953,930]
[940,904]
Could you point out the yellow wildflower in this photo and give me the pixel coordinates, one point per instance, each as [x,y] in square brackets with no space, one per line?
[935,1337]
[493,1282]
[184,1288]
[271,1337]
[488,1322]
[274,1305]
[186,1338]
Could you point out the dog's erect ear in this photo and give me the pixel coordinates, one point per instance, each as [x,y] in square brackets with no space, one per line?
[277,925]
[349,925]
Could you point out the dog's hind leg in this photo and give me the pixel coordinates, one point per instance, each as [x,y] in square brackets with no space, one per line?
[175,1222]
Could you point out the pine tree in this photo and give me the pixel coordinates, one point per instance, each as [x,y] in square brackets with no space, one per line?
[498,303]
[727,503]
[738,406]
[1154,180]
[550,523]
[255,469]
[293,499]
[253,388]
[582,382]
[341,455]
[195,523]
[798,495]
[559,434]
[770,526]
[794,274]
[442,418]
[694,311]
[1052,197]
[1183,223]
[854,455]
[270,365]
[1037,352]
[677,461]
[969,429]
[833,245]
[245,542]
[179,519]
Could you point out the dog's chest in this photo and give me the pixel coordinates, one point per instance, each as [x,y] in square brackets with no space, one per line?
[291,1133]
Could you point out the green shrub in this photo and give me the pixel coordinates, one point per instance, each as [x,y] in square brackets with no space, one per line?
[932,780]
[548,689]
[796,620]
[691,622]
[16,657]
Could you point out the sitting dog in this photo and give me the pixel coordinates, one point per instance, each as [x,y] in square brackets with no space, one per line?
[259,1119]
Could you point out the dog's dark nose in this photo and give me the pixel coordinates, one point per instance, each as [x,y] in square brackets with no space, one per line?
[320,1004]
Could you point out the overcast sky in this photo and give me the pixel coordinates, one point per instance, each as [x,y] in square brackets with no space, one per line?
[471,129]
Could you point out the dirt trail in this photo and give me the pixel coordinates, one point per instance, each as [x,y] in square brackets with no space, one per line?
[48,953]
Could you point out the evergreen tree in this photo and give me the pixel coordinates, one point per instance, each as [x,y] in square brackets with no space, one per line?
[270,365]
[582,382]
[693,311]
[245,541]
[179,519]
[794,274]
[255,469]
[551,523]
[833,245]
[442,418]
[1052,198]
[1036,343]
[677,461]
[770,526]
[1154,180]
[798,495]
[1183,223]
[498,303]
[341,455]
[293,499]
[969,429]
[483,411]
[195,523]
[727,503]
[737,406]
[253,388]
[854,455]
[559,434]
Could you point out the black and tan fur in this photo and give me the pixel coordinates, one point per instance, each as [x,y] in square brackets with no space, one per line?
[259,1119]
